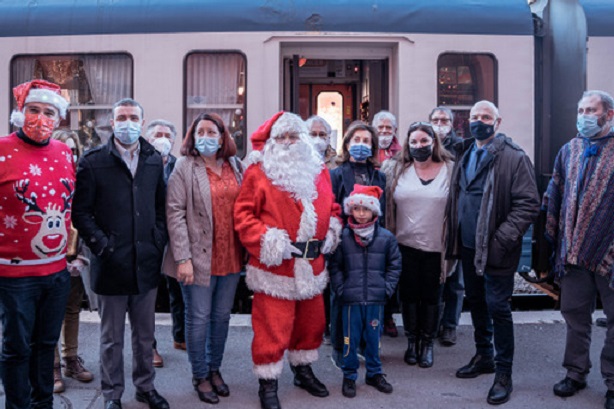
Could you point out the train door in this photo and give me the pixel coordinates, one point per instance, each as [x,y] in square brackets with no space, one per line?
[340,91]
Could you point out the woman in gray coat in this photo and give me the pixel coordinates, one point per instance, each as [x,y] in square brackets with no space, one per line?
[204,253]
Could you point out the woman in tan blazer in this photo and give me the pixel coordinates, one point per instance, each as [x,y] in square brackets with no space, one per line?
[204,253]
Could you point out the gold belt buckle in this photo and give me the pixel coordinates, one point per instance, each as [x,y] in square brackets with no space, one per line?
[307,250]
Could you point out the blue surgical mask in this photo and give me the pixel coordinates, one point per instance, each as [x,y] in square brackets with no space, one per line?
[481,131]
[207,146]
[360,152]
[588,125]
[127,132]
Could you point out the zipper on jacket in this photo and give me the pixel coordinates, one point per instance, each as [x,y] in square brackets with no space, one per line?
[365,275]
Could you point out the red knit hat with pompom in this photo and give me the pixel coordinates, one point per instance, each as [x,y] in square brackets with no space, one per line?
[366,196]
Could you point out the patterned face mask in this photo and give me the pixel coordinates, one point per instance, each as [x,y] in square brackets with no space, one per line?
[38,127]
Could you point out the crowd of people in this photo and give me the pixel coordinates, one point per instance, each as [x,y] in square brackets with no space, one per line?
[330,248]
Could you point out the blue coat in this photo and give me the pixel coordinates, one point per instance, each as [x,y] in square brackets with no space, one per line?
[365,275]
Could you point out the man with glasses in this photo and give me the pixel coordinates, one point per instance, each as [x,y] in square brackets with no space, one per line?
[493,201]
[386,125]
[320,131]
[442,120]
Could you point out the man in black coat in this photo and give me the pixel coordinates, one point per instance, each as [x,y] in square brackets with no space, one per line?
[119,212]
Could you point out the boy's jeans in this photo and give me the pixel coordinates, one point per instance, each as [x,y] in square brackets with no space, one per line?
[361,321]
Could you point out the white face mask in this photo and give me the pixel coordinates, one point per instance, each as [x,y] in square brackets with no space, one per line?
[442,130]
[321,145]
[384,141]
[75,158]
[162,145]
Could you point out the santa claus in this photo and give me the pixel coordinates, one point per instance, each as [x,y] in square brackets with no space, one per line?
[287,219]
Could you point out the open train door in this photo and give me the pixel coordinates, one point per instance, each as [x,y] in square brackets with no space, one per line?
[340,91]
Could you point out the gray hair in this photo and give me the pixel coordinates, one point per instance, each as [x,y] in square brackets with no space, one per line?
[287,123]
[161,122]
[606,99]
[318,119]
[381,115]
[128,102]
[443,109]
[489,104]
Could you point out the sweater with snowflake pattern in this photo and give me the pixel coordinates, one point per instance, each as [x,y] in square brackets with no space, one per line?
[36,188]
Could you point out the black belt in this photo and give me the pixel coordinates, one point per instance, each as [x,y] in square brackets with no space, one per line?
[310,249]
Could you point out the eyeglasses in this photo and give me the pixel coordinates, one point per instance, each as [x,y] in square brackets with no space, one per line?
[416,125]
[440,120]
[320,134]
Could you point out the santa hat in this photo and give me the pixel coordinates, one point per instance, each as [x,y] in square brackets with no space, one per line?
[262,134]
[37,91]
[366,196]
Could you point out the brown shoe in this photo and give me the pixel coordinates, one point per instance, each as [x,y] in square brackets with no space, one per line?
[158,362]
[179,345]
[58,382]
[74,369]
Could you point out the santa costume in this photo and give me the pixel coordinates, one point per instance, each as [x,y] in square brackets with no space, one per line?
[287,219]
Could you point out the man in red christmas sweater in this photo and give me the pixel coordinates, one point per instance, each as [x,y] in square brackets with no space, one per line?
[286,217]
[37,178]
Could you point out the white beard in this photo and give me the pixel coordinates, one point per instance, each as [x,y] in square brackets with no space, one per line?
[292,168]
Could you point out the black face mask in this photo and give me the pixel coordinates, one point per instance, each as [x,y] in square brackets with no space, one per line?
[481,131]
[421,154]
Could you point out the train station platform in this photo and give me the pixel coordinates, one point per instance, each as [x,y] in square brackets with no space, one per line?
[539,351]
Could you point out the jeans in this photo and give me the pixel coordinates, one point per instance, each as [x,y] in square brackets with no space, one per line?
[70,325]
[361,322]
[488,298]
[31,311]
[453,294]
[207,315]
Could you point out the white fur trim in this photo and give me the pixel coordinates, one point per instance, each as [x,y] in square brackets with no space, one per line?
[269,371]
[253,157]
[273,243]
[17,118]
[333,236]
[370,202]
[48,97]
[308,222]
[302,357]
[283,287]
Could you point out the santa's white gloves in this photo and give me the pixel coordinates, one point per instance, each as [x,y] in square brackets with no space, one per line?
[333,236]
[276,247]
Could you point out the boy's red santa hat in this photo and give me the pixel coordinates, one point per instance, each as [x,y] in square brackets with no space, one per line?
[366,196]
[37,91]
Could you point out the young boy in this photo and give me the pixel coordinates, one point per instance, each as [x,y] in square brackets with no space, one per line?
[364,272]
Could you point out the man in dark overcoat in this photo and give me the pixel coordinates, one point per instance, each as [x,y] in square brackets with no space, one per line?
[119,212]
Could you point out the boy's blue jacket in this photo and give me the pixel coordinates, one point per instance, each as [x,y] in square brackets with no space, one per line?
[365,275]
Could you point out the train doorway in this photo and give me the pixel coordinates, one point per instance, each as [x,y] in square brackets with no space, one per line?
[340,91]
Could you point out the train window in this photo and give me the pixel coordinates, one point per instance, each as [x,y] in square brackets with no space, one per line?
[92,83]
[216,83]
[462,80]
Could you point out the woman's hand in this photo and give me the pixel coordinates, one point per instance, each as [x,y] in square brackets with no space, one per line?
[185,273]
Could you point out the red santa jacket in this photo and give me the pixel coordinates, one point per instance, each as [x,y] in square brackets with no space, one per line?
[267,219]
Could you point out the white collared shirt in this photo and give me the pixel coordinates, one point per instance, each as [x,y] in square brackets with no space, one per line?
[130,156]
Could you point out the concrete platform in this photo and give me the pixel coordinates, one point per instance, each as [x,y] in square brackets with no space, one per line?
[539,350]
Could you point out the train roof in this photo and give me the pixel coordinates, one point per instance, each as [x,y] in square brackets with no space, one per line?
[73,17]
[599,17]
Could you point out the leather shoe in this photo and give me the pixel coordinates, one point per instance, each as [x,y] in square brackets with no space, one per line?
[448,337]
[609,400]
[349,388]
[179,345]
[501,389]
[113,404]
[158,362]
[567,387]
[205,391]
[379,382]
[478,365]
[153,399]
[268,394]
[305,378]
[218,384]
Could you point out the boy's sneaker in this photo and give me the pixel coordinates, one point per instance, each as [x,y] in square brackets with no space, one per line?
[349,388]
[379,382]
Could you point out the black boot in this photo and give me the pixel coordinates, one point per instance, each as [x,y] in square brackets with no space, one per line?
[430,315]
[268,394]
[410,324]
[305,378]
